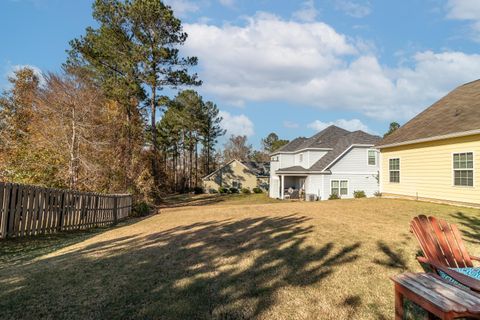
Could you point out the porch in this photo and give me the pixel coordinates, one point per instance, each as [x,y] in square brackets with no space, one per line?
[292,186]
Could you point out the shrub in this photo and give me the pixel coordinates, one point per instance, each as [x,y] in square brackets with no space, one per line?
[212,191]
[359,194]
[140,209]
[198,190]
[334,196]
[246,191]
[222,190]
[234,190]
[378,194]
[257,190]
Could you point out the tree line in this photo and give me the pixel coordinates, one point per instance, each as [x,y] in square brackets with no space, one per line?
[104,123]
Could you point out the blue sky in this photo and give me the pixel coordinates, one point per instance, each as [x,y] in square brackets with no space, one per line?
[292,67]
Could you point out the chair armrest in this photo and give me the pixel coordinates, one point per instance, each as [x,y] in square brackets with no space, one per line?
[467,281]
[475,258]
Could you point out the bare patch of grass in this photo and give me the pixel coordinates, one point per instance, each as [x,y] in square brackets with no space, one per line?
[235,259]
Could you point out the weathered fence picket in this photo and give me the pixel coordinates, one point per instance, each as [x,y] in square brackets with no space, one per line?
[28,210]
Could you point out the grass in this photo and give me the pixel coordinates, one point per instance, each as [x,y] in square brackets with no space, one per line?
[240,258]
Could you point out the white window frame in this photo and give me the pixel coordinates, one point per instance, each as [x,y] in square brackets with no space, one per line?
[340,186]
[390,171]
[376,157]
[237,183]
[464,169]
[300,157]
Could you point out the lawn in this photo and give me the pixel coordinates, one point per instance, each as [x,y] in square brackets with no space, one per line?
[226,259]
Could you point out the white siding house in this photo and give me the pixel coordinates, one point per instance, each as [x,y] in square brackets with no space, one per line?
[332,161]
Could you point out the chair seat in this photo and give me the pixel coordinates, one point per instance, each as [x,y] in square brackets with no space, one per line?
[471,272]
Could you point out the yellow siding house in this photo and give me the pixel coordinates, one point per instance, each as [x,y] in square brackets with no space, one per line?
[436,155]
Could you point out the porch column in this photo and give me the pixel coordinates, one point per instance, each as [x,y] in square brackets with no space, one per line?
[282,186]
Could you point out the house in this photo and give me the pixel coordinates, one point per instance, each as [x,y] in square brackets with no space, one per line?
[334,161]
[436,155]
[238,174]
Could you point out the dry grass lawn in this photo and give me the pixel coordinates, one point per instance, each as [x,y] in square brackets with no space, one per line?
[226,260]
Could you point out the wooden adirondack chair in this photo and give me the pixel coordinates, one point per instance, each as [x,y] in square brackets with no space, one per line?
[443,249]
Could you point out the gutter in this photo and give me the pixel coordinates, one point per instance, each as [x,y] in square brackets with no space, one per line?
[435,138]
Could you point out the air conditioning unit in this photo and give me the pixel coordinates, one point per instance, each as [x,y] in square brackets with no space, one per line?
[311,197]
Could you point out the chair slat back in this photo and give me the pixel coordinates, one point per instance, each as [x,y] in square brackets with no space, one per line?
[440,242]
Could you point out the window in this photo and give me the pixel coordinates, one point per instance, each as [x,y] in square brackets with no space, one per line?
[339,187]
[236,184]
[463,169]
[394,168]
[300,157]
[372,157]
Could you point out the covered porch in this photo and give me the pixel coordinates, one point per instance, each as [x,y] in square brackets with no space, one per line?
[292,186]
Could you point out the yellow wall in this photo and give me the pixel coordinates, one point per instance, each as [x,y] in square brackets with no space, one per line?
[426,170]
[226,175]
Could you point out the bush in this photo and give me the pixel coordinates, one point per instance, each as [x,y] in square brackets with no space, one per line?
[334,196]
[222,190]
[212,191]
[234,190]
[257,190]
[359,194]
[246,191]
[378,194]
[140,209]
[198,190]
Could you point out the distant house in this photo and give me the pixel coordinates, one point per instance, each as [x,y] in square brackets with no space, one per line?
[334,161]
[436,155]
[239,174]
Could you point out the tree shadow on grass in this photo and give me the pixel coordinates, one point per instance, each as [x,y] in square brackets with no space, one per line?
[209,270]
[470,227]
[393,258]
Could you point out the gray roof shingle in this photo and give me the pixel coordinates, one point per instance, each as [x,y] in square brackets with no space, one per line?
[458,111]
[337,139]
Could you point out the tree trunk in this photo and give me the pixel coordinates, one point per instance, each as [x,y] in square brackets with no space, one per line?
[73,170]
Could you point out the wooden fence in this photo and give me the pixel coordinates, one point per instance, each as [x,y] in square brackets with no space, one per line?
[27,210]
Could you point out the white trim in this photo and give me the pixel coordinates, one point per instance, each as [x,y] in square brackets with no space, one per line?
[340,186]
[473,170]
[441,137]
[300,150]
[399,169]
[376,158]
[355,172]
[344,152]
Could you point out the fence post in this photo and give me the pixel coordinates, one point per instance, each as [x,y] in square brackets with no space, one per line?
[62,212]
[115,210]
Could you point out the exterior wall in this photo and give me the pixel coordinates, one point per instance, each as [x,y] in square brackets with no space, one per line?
[225,176]
[313,156]
[356,182]
[356,160]
[314,185]
[426,170]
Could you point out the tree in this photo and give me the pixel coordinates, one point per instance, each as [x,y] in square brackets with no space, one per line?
[271,143]
[237,148]
[210,131]
[139,38]
[393,126]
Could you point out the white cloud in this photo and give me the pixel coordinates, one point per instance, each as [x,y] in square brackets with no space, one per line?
[307,12]
[467,10]
[11,69]
[237,125]
[290,124]
[356,9]
[183,7]
[227,3]
[350,125]
[311,64]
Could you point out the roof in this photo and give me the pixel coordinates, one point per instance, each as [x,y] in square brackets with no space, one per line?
[325,139]
[260,169]
[336,139]
[453,115]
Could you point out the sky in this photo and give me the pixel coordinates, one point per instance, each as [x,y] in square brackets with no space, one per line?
[285,66]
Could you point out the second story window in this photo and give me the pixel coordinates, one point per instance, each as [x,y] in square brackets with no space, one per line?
[372,157]
[300,157]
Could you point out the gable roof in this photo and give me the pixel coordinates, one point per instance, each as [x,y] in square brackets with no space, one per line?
[339,141]
[325,139]
[259,169]
[456,114]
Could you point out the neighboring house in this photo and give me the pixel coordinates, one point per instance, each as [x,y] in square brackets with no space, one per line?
[239,174]
[436,155]
[334,161]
